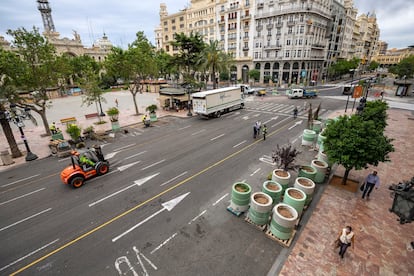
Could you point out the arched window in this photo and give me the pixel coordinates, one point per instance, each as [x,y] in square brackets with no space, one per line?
[286,66]
[295,65]
[267,66]
[276,66]
[257,66]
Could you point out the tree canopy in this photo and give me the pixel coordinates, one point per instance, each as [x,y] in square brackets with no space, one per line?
[404,68]
[355,143]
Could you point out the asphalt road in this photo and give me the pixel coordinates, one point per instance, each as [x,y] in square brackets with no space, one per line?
[162,208]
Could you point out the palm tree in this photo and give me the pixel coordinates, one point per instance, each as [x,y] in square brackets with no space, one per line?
[214,60]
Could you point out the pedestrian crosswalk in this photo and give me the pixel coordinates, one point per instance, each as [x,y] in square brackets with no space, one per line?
[279,108]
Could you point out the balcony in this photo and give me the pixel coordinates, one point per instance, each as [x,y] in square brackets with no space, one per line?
[273,47]
[269,26]
[291,23]
[279,24]
[260,5]
[318,46]
[246,48]
[259,28]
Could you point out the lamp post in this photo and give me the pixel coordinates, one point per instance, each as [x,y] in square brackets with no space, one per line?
[17,116]
[352,87]
[189,114]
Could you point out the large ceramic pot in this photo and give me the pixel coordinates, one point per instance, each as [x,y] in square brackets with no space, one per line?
[282,177]
[321,169]
[274,190]
[295,198]
[283,221]
[260,208]
[307,186]
[308,137]
[240,196]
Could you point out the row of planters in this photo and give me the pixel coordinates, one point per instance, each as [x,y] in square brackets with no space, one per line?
[279,207]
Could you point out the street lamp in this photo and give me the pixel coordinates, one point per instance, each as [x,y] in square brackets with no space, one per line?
[189,114]
[352,87]
[17,116]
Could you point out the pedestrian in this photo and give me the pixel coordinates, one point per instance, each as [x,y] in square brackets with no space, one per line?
[116,102]
[264,132]
[371,181]
[346,238]
[258,125]
[295,112]
[52,128]
[254,131]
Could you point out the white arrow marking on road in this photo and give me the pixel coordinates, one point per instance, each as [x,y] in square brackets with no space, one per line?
[110,155]
[127,166]
[266,160]
[169,205]
[141,181]
[136,182]
[296,124]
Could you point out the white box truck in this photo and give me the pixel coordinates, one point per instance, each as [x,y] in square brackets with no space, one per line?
[215,102]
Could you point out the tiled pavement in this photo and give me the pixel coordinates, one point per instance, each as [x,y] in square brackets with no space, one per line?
[380,240]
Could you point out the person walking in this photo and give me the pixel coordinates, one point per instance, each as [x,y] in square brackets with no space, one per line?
[116,102]
[264,130]
[346,239]
[254,131]
[371,181]
[295,112]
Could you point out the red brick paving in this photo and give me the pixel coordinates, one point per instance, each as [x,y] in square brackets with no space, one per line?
[380,240]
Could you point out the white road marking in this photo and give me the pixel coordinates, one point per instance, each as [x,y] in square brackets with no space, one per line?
[169,205]
[124,259]
[198,132]
[145,258]
[17,181]
[196,217]
[220,199]
[163,243]
[154,164]
[23,220]
[174,178]
[267,160]
[134,155]
[235,146]
[287,118]
[111,154]
[296,124]
[127,166]
[256,171]
[184,127]
[136,182]
[28,255]
[16,198]
[124,147]
[64,159]
[215,138]
[294,140]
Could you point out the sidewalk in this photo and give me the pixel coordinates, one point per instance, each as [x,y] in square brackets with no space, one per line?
[381,242]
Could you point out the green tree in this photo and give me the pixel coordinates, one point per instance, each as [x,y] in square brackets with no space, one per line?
[254,74]
[39,70]
[376,111]
[373,65]
[133,65]
[164,63]
[404,68]
[343,67]
[187,60]
[214,60]
[355,143]
[9,67]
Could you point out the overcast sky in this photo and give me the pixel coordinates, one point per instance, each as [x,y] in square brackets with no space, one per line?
[121,19]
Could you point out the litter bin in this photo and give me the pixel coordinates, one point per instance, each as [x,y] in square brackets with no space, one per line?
[6,158]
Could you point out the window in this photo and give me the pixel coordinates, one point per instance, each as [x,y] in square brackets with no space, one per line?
[288,42]
[246,34]
[299,53]
[290,30]
[181,18]
[165,23]
[172,21]
[256,54]
[302,29]
[287,53]
[300,41]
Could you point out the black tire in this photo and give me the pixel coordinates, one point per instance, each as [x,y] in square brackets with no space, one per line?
[76,182]
[218,114]
[102,169]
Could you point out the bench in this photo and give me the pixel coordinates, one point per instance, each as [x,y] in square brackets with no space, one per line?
[91,115]
[70,120]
